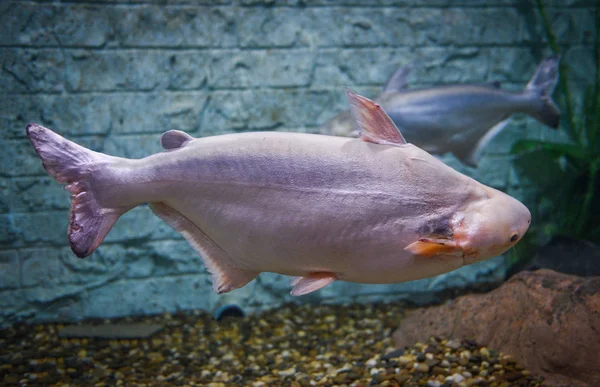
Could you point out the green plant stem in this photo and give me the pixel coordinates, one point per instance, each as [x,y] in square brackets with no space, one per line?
[589,195]
[572,130]
[595,124]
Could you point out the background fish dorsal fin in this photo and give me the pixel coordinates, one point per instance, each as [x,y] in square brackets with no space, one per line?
[174,139]
[373,122]
[398,80]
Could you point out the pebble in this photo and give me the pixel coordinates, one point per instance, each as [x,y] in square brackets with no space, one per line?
[456,378]
[293,346]
[484,352]
[393,354]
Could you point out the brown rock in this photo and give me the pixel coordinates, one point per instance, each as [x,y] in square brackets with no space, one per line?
[550,322]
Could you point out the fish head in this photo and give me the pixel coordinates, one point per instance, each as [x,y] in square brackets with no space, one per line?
[489,225]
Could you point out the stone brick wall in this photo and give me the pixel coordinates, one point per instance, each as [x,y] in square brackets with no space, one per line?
[114,74]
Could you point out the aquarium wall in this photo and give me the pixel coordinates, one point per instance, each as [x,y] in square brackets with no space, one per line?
[114,75]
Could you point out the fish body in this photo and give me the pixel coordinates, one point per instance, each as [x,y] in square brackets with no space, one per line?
[461,119]
[320,208]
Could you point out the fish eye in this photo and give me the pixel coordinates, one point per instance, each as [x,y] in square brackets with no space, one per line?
[514,237]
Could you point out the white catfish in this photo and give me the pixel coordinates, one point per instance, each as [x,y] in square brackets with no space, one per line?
[461,119]
[321,208]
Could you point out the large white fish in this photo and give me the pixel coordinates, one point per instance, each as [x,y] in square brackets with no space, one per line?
[461,119]
[321,208]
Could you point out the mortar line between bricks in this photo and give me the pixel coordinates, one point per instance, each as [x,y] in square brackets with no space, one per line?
[115,243]
[266,48]
[129,135]
[235,4]
[252,89]
[213,90]
[202,273]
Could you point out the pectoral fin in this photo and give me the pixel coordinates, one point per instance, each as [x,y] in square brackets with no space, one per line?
[471,154]
[374,124]
[311,283]
[429,247]
[398,81]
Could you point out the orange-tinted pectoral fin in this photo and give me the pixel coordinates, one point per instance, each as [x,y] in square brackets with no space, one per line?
[373,122]
[311,283]
[429,247]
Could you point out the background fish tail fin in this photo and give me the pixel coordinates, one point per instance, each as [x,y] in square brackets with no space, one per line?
[71,164]
[542,85]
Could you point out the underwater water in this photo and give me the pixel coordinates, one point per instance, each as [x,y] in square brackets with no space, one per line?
[339,193]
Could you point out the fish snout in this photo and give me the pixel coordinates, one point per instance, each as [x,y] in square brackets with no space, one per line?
[492,226]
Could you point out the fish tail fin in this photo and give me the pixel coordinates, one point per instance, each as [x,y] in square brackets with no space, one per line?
[542,84]
[72,164]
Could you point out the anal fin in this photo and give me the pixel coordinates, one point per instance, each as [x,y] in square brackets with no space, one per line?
[311,283]
[225,277]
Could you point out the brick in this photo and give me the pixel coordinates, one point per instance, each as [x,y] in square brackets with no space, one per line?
[69,115]
[56,267]
[84,114]
[278,27]
[471,26]
[374,66]
[9,269]
[42,267]
[415,3]
[150,296]
[114,70]
[323,27]
[178,26]
[105,264]
[34,194]
[136,70]
[35,229]
[175,257]
[139,265]
[580,61]
[8,232]
[31,70]
[46,24]
[171,2]
[156,112]
[133,146]
[27,24]
[263,110]
[261,69]
[138,226]
[570,26]
[7,198]
[14,307]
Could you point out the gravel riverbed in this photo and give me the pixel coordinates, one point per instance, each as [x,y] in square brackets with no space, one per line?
[299,346]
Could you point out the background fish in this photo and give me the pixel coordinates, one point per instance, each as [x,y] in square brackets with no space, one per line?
[321,208]
[461,119]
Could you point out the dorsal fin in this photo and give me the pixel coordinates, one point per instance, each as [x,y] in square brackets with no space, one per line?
[174,139]
[373,123]
[398,80]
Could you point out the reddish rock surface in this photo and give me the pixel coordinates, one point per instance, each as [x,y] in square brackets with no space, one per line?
[549,321]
